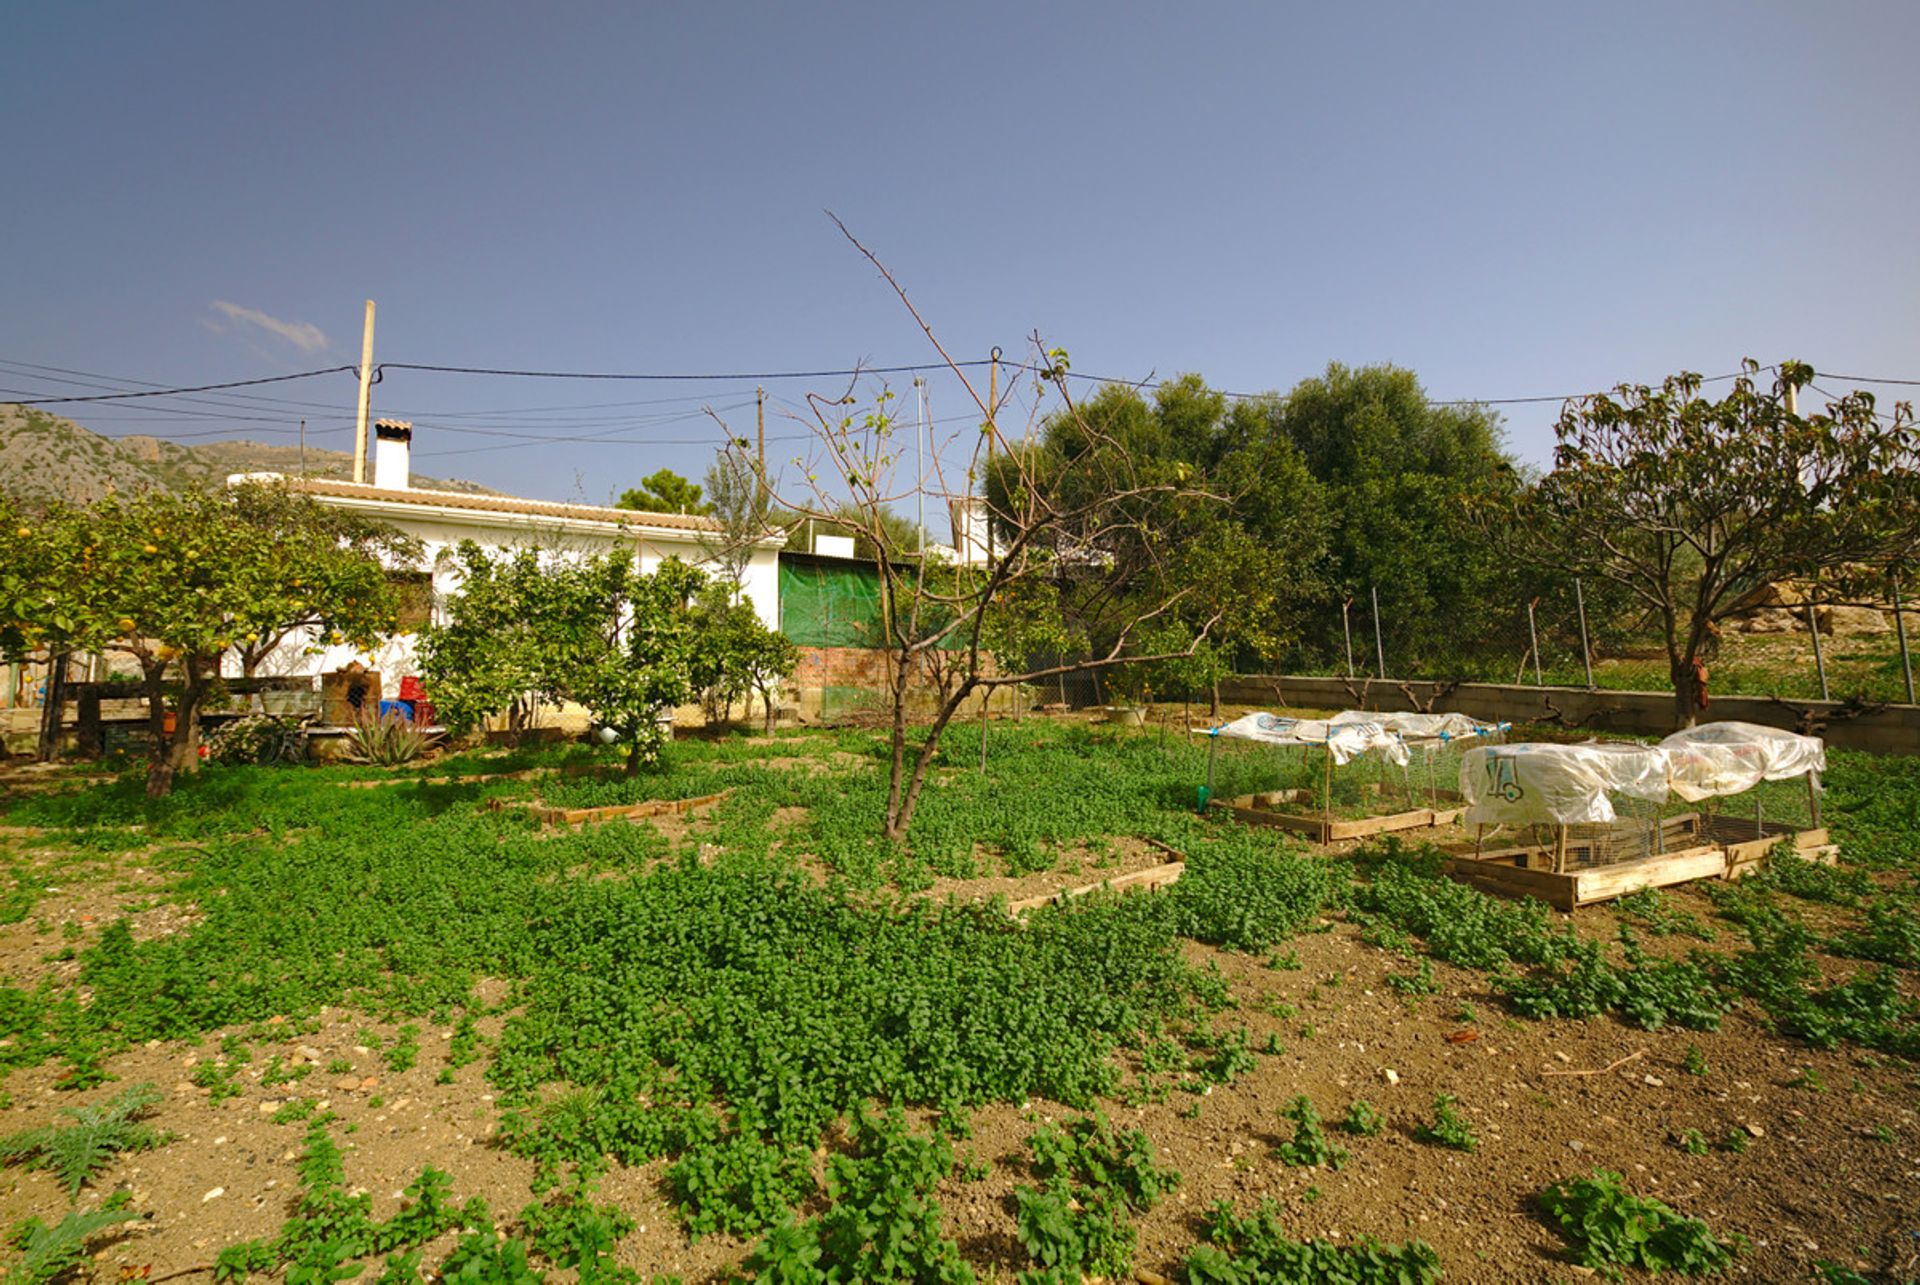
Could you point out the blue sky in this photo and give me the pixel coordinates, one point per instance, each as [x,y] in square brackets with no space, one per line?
[1511,199]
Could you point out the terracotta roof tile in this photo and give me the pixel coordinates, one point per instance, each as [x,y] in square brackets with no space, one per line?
[501,504]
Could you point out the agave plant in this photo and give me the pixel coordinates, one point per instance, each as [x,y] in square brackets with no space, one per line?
[389,742]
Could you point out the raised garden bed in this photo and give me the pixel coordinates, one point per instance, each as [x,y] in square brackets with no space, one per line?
[619,811]
[1692,847]
[1269,809]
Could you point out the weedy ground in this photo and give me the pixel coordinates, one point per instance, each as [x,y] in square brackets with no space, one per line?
[395,1025]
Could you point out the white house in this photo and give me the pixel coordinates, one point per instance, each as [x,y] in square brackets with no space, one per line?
[443,519]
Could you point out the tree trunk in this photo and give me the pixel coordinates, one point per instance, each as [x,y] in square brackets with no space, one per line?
[900,815]
[159,761]
[633,752]
[54,704]
[173,752]
[899,811]
[1213,710]
[766,705]
[1686,690]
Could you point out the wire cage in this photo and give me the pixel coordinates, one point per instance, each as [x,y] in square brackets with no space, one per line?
[1352,768]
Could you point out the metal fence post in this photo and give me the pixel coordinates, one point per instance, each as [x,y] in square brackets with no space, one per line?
[1586,648]
[1533,641]
[1819,661]
[1379,647]
[1346,628]
[1900,628]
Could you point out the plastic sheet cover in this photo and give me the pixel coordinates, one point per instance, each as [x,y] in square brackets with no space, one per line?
[1429,727]
[1346,741]
[1531,784]
[1730,758]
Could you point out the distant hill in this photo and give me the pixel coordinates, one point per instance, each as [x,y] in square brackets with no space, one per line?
[44,457]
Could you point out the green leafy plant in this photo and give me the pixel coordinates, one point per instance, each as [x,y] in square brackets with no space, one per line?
[1255,1248]
[1310,1145]
[1416,984]
[882,1223]
[1095,1178]
[1809,1079]
[404,1052]
[76,1151]
[1362,1119]
[1695,1062]
[1448,1128]
[1609,1228]
[49,1253]
[1691,1141]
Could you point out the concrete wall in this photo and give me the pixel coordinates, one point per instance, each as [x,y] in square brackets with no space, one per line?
[1892,729]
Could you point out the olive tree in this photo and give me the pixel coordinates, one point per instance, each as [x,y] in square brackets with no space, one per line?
[1688,503]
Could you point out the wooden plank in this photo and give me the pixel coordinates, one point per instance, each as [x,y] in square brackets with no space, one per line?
[1556,889]
[1251,809]
[619,811]
[1313,826]
[1603,883]
[1152,877]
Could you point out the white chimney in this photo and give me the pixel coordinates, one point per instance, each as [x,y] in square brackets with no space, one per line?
[971,529]
[393,447]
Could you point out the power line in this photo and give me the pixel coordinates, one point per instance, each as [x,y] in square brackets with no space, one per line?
[1870,379]
[174,392]
[693,378]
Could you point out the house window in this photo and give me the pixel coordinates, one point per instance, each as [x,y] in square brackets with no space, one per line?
[413,591]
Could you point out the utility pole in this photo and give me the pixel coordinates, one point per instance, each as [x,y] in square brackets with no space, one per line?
[303,448]
[1793,400]
[760,415]
[993,398]
[366,389]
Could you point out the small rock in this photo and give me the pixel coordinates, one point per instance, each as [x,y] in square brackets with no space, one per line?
[269,1107]
[1654,1080]
[309,1052]
[1392,1076]
[1562,1056]
[215,1194]
[346,1085]
[1575,1145]
[1755,1131]
[370,1082]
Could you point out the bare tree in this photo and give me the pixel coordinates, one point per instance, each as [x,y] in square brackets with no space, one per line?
[1080,522]
[743,511]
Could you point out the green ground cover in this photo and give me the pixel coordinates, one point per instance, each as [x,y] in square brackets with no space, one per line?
[719,1003]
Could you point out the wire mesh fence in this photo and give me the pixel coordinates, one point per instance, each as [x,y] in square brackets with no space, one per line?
[1782,646]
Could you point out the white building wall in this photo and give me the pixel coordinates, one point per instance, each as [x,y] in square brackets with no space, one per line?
[441,534]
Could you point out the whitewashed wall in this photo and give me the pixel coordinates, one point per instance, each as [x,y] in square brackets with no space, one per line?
[442,533]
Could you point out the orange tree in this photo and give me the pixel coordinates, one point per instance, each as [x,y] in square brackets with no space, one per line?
[529,624]
[1687,504]
[177,580]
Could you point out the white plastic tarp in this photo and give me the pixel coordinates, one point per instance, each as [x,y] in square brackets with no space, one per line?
[1346,741]
[1532,784]
[1429,727]
[1730,758]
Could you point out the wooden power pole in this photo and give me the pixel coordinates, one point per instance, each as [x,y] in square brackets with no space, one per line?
[366,390]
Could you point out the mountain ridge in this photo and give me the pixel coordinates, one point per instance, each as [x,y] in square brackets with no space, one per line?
[45,457]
